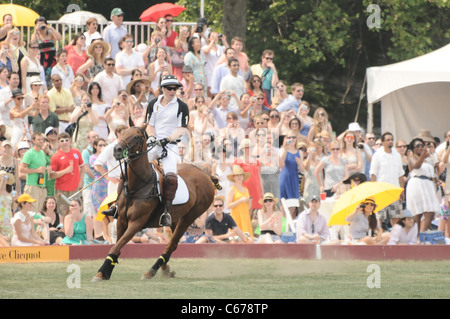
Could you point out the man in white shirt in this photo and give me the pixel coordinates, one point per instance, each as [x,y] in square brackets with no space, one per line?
[115,31]
[233,82]
[109,81]
[6,103]
[106,157]
[221,70]
[168,118]
[292,102]
[386,166]
[128,59]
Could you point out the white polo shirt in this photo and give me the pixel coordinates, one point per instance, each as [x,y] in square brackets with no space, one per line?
[387,167]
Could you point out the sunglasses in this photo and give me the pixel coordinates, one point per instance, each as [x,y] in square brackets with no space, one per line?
[110,64]
[171,88]
[419,145]
[291,137]
[371,204]
[350,137]
[335,149]
[218,205]
[268,200]
[321,114]
[64,140]
[274,116]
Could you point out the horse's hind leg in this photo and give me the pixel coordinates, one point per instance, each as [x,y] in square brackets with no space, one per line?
[162,261]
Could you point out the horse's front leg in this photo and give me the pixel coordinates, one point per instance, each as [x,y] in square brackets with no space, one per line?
[125,233]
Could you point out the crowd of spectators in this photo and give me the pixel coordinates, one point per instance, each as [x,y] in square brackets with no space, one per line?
[63,111]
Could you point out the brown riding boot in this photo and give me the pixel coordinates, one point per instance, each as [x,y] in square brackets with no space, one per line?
[112,210]
[169,191]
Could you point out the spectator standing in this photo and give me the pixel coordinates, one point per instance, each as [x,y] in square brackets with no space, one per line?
[421,197]
[34,166]
[292,102]
[115,31]
[221,70]
[96,57]
[46,37]
[128,59]
[91,33]
[291,163]
[386,166]
[109,81]
[195,59]
[76,54]
[233,82]
[88,177]
[7,181]
[44,119]
[30,66]
[86,119]
[268,73]
[213,51]
[67,169]
[63,69]
[61,102]
[17,115]
[6,101]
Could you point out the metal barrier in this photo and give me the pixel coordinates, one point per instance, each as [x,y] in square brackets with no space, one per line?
[140,30]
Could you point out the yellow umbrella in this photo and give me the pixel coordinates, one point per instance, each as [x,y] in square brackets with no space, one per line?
[111,198]
[22,16]
[383,193]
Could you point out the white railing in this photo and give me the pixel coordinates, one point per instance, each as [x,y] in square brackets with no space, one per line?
[140,30]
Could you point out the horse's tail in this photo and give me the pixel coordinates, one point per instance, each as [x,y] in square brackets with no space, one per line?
[216,183]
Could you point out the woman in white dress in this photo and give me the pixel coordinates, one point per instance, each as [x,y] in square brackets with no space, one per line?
[100,106]
[63,70]
[30,66]
[18,116]
[157,67]
[24,233]
[421,198]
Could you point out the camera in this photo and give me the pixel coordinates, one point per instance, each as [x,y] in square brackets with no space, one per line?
[88,104]
[360,146]
[157,41]
[199,28]
[362,206]
[43,27]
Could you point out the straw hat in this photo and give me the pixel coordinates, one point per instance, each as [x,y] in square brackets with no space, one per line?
[11,179]
[426,136]
[106,48]
[237,170]
[25,198]
[268,196]
[143,80]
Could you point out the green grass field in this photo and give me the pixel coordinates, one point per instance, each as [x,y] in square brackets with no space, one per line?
[230,279]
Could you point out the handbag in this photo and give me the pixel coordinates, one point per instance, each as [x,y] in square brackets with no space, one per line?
[72,127]
[177,60]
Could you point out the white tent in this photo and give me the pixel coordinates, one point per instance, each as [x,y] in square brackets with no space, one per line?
[414,95]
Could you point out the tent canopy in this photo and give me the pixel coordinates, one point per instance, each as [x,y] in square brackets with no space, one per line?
[414,94]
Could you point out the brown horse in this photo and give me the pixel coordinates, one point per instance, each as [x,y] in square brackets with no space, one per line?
[139,205]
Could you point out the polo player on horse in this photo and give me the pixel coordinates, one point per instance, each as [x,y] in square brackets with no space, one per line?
[167,118]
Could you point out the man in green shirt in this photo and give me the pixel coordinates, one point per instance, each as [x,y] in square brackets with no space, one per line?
[44,118]
[33,164]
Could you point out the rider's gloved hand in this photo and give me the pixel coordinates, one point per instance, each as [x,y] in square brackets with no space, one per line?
[164,141]
[151,140]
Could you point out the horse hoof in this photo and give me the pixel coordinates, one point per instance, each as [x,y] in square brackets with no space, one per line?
[168,274]
[98,277]
[147,275]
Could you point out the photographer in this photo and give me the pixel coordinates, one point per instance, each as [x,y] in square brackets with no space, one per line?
[364,225]
[46,36]
[86,118]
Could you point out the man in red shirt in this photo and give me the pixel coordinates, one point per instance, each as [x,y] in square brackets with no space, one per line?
[67,168]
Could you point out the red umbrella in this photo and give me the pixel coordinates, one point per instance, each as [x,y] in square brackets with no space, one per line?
[153,13]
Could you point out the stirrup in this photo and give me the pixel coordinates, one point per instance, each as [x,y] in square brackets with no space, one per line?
[165,219]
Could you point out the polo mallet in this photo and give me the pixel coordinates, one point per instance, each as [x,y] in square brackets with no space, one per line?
[67,199]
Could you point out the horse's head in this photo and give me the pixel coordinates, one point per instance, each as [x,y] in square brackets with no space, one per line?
[132,142]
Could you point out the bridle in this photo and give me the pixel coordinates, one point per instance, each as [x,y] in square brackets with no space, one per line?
[136,140]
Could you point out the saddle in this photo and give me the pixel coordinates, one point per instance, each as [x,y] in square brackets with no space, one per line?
[182,194]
